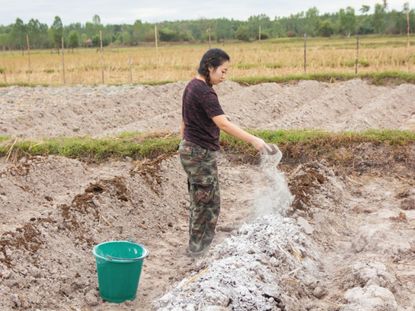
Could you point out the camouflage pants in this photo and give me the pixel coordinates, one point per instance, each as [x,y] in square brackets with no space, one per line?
[202,173]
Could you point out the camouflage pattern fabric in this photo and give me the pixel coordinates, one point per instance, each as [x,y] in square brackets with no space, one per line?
[202,172]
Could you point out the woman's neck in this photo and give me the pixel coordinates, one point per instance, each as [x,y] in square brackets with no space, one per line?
[200,77]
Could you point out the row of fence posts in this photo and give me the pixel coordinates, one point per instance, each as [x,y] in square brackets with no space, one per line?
[130,63]
[356,64]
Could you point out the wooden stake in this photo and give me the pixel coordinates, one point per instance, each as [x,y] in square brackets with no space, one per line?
[28,55]
[156,38]
[407,40]
[259,33]
[63,60]
[101,57]
[210,44]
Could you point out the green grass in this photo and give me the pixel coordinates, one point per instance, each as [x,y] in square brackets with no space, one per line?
[151,145]
[4,138]
[24,84]
[87,148]
[378,78]
[318,137]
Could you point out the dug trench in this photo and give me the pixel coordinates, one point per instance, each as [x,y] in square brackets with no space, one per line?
[346,242]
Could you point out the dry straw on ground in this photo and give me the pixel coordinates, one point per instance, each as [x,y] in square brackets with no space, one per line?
[178,62]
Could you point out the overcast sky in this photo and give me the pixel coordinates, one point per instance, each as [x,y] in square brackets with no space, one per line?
[127,11]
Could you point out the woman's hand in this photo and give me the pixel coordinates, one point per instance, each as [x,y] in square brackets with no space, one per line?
[259,144]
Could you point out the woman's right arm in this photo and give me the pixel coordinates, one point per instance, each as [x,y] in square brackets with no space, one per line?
[224,124]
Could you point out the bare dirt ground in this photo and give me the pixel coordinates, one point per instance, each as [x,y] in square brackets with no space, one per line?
[343,241]
[99,111]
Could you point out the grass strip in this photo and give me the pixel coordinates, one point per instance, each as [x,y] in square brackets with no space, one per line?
[150,145]
[377,78]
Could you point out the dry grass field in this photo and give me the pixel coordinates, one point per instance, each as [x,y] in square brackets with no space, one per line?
[145,64]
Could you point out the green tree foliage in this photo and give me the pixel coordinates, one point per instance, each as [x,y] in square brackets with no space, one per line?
[96,20]
[18,35]
[347,21]
[57,32]
[364,9]
[242,33]
[73,40]
[377,19]
[311,21]
[325,29]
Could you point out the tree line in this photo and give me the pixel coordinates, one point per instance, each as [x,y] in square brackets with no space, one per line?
[368,20]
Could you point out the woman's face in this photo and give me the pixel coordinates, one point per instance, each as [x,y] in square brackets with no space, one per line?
[218,75]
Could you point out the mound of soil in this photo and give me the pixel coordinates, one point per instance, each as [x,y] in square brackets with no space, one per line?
[108,110]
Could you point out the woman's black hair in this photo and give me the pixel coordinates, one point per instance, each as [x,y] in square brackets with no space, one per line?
[212,58]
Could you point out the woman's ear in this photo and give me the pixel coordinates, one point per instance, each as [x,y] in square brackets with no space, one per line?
[211,69]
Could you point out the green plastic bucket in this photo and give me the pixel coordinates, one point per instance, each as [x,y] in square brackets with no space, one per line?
[119,266]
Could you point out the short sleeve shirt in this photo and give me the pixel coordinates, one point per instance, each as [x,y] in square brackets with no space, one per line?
[200,105]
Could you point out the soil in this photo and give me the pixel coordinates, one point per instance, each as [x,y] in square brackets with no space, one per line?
[105,110]
[319,231]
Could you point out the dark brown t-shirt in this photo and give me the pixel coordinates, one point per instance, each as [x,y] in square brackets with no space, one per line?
[200,105]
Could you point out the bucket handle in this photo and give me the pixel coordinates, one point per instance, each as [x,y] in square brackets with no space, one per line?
[112,258]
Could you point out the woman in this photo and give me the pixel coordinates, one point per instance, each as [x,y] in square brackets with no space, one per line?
[203,118]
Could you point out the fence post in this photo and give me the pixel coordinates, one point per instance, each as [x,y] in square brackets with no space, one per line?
[63,60]
[259,33]
[356,63]
[101,57]
[407,40]
[210,44]
[28,56]
[305,53]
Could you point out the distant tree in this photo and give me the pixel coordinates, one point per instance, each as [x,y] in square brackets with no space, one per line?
[96,19]
[242,33]
[73,40]
[379,18]
[167,34]
[57,32]
[137,33]
[224,29]
[3,41]
[326,29]
[364,9]
[347,21]
[312,21]
[84,40]
[18,34]
[256,21]
[96,41]
[126,38]
[406,9]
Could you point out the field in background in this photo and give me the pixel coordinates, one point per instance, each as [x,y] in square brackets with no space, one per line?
[277,57]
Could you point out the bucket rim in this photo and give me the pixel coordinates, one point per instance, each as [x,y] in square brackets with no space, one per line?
[118,259]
